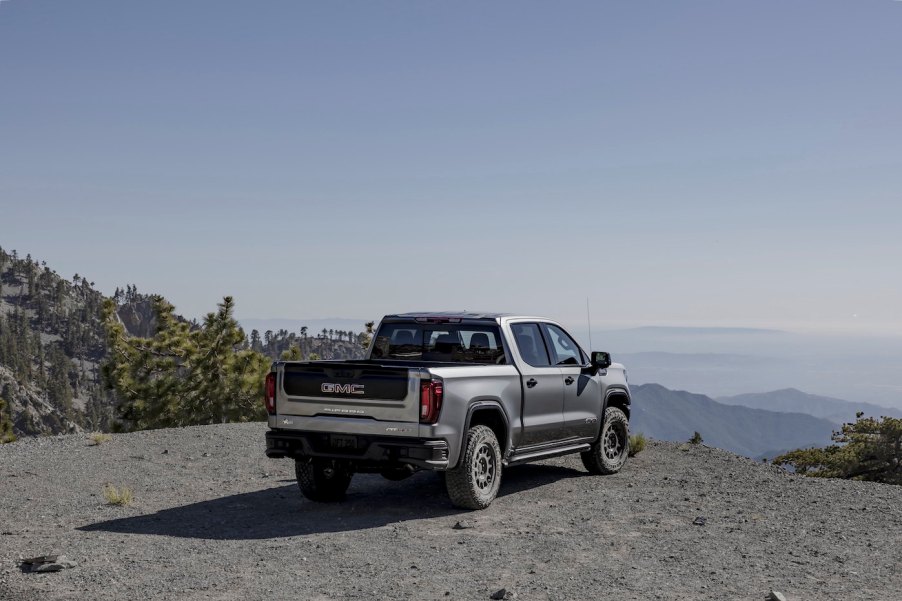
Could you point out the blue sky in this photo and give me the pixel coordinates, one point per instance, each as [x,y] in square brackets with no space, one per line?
[686,163]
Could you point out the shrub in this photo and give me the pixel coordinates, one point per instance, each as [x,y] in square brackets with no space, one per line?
[117,496]
[98,438]
[696,438]
[637,444]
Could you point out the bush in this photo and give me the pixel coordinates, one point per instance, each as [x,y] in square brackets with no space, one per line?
[637,444]
[696,438]
[98,438]
[869,449]
[117,496]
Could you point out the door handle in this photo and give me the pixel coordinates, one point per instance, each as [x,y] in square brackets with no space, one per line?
[531,382]
[569,380]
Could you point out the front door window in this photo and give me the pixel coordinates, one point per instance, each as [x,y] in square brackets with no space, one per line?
[530,344]
[562,347]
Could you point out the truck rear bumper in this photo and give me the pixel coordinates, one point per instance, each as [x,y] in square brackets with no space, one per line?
[364,450]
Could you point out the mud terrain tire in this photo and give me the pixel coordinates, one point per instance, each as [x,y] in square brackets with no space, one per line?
[609,452]
[474,483]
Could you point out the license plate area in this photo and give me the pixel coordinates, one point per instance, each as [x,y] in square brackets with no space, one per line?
[342,441]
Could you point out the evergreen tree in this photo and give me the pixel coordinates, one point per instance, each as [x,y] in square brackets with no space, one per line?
[869,449]
[255,343]
[184,376]
[6,426]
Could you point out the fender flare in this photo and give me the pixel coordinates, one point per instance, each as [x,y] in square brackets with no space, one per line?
[616,391]
[493,405]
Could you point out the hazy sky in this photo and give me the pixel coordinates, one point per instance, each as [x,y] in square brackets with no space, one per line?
[687,163]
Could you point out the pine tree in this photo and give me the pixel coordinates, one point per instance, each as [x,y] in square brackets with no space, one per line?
[255,343]
[184,376]
[6,426]
[869,449]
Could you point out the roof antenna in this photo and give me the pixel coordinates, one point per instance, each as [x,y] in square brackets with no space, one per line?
[589,321]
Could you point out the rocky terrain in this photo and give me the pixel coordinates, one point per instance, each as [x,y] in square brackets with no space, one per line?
[212,518]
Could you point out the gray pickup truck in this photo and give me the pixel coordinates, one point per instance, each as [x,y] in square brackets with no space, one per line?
[460,393]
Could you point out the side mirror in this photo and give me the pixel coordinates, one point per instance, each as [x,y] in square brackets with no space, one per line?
[601,360]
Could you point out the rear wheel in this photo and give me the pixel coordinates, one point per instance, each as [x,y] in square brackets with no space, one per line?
[474,483]
[323,480]
[609,453]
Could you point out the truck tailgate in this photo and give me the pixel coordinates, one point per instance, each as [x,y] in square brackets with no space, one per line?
[367,391]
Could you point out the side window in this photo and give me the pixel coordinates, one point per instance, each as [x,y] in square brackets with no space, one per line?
[564,349]
[530,344]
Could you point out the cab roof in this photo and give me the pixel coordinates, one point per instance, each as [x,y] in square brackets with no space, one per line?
[450,315]
[462,316]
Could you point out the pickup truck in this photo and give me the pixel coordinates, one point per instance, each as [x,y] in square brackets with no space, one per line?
[460,393]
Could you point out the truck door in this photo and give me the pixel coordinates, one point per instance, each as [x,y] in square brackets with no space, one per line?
[543,387]
[582,393]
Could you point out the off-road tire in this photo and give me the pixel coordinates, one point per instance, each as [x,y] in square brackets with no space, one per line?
[322,480]
[610,451]
[474,483]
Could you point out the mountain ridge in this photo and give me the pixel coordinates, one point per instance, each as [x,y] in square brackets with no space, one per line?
[837,410]
[675,415]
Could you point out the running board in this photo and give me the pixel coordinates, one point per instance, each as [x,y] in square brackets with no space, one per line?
[547,453]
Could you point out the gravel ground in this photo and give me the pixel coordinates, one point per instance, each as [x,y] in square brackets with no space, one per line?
[212,518]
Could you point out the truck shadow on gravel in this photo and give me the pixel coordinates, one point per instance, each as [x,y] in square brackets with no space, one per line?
[281,511]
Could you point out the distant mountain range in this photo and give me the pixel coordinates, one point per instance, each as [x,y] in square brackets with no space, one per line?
[696,331]
[865,373]
[674,415]
[657,360]
[790,400]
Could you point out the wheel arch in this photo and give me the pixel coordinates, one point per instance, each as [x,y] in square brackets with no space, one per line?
[489,413]
[617,397]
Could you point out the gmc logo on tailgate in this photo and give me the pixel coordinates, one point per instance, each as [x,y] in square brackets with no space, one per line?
[342,388]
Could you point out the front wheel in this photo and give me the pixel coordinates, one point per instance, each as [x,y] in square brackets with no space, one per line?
[609,453]
[323,480]
[474,483]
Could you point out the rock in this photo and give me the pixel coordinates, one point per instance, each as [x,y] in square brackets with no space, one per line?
[41,559]
[47,563]
[775,596]
[503,594]
[463,525]
[700,521]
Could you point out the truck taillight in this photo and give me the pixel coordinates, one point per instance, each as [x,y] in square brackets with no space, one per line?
[431,393]
[269,394]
